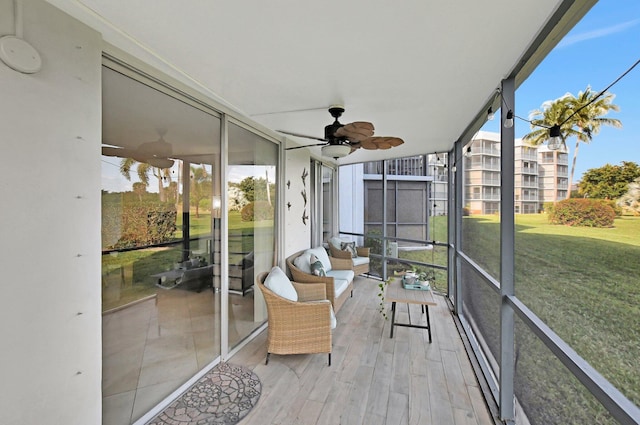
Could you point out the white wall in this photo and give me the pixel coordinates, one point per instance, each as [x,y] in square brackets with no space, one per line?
[298,235]
[50,320]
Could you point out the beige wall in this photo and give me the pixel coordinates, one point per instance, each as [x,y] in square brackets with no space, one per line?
[50,322]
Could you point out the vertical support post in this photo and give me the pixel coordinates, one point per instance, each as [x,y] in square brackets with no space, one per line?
[384,220]
[224,239]
[455,224]
[507,253]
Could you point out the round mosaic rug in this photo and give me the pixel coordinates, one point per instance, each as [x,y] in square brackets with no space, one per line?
[223,396]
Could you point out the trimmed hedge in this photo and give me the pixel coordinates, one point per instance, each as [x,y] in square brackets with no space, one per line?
[582,212]
[146,224]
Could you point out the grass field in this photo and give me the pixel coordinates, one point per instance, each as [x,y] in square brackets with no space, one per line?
[585,284]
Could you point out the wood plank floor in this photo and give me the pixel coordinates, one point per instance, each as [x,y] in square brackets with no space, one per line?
[373,379]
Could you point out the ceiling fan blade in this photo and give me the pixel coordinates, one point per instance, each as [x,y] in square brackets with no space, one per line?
[307,146]
[373,143]
[302,135]
[356,131]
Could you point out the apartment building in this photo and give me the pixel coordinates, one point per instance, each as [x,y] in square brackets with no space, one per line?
[540,175]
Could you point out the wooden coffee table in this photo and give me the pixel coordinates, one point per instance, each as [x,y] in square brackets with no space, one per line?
[395,293]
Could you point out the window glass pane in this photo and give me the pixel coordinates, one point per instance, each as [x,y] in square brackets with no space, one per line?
[481,203]
[546,392]
[584,283]
[481,309]
[416,209]
[251,175]
[161,321]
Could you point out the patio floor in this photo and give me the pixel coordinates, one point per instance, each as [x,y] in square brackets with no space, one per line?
[373,379]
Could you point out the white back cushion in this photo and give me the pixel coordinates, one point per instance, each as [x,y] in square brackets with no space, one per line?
[279,283]
[336,241]
[322,255]
[303,262]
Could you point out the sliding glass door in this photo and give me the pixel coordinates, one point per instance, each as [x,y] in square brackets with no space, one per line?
[251,204]
[160,264]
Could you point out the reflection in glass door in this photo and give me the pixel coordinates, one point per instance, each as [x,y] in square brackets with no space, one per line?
[251,179]
[160,181]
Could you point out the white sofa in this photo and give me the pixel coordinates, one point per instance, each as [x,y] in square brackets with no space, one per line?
[339,273]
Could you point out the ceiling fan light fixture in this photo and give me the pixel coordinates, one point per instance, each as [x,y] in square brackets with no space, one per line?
[160,162]
[336,151]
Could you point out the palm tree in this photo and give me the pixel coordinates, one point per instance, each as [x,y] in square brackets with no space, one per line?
[143,170]
[589,109]
[580,117]
[200,186]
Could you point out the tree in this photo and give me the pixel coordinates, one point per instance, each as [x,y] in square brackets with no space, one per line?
[143,170]
[248,185]
[580,117]
[257,189]
[200,186]
[139,189]
[609,181]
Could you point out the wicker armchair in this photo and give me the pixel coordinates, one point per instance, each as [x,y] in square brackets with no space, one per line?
[360,264]
[302,327]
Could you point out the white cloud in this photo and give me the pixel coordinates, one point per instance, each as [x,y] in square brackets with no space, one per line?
[598,33]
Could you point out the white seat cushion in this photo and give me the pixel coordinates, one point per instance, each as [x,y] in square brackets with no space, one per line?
[339,286]
[358,261]
[278,282]
[322,255]
[347,275]
[333,320]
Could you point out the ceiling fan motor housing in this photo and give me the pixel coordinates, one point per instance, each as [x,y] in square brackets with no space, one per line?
[330,130]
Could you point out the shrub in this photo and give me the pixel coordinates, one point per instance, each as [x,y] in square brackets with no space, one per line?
[257,211]
[548,207]
[583,212]
[613,204]
[146,224]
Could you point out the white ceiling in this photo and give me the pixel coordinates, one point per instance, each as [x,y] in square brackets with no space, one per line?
[420,70]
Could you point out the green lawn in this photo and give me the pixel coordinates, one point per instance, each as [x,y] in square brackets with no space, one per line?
[585,284]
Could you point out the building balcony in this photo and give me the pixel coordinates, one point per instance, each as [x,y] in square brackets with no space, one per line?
[373,379]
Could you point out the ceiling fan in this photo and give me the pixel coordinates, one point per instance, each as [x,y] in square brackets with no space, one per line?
[158,153]
[342,139]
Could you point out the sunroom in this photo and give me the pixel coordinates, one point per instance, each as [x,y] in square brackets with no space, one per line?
[170,164]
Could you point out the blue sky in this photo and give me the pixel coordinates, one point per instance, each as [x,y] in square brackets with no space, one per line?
[597,51]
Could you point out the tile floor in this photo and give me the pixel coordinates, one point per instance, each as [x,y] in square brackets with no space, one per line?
[153,347]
